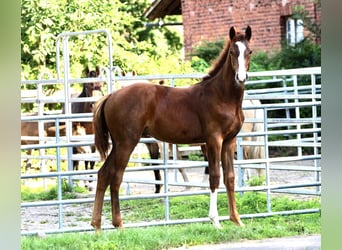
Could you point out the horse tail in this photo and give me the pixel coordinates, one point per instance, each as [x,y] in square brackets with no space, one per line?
[100,128]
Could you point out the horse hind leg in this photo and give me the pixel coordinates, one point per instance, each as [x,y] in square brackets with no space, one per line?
[102,184]
[157,177]
[227,158]
[206,169]
[121,158]
[153,150]
[111,174]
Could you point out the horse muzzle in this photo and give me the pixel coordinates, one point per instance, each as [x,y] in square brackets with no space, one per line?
[241,78]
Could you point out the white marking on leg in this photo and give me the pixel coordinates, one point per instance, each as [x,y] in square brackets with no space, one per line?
[242,72]
[213,213]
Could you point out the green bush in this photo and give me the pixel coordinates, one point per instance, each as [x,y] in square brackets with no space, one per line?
[31,194]
[303,54]
[208,51]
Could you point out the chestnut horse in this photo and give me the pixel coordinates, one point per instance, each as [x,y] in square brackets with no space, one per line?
[208,112]
[153,147]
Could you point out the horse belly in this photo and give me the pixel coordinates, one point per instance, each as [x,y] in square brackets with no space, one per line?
[183,137]
[177,131]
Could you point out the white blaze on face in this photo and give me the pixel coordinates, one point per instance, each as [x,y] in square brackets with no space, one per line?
[242,72]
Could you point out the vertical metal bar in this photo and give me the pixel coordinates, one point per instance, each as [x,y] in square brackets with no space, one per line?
[67,103]
[287,111]
[268,182]
[174,151]
[314,126]
[239,156]
[59,178]
[296,100]
[166,181]
[57,56]
[172,82]
[110,59]
[175,158]
[66,66]
[109,79]
[41,129]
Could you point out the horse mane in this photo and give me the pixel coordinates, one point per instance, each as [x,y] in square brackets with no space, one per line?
[219,62]
[221,59]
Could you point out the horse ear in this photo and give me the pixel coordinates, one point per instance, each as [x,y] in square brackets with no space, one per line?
[232,33]
[248,33]
[86,70]
[97,69]
[134,73]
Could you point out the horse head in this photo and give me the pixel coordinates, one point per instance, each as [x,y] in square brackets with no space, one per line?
[240,53]
[91,86]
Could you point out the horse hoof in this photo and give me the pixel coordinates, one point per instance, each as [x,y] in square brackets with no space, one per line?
[117,224]
[241,224]
[238,222]
[215,222]
[96,227]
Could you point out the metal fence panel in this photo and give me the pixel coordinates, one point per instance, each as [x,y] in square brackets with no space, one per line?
[290,93]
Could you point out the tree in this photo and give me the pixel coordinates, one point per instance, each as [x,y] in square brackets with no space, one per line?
[134,45]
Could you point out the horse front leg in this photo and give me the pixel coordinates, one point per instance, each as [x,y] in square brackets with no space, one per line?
[214,149]
[227,158]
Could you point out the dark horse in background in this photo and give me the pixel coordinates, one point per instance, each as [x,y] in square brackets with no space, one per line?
[78,128]
[208,112]
[86,107]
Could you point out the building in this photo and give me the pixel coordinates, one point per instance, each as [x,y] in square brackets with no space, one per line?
[272,21]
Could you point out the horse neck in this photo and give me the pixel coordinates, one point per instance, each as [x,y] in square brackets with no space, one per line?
[82,107]
[223,76]
[226,83]
[85,93]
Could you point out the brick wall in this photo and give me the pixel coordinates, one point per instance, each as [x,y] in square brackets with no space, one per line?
[210,20]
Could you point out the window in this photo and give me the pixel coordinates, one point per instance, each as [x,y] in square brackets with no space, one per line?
[294,31]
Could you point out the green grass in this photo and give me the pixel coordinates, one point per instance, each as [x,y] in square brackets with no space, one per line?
[162,237]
